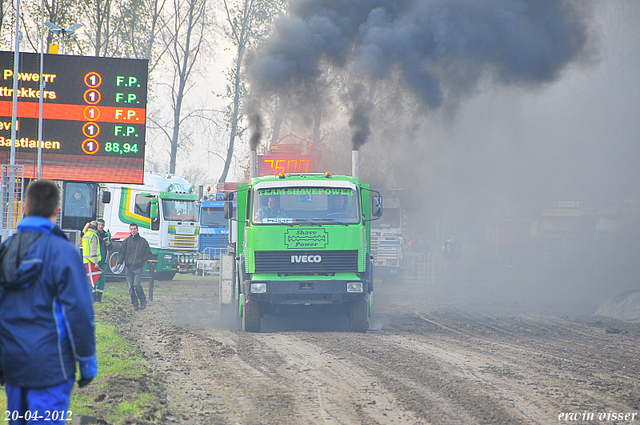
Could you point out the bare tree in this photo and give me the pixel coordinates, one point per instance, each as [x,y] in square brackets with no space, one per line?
[183,39]
[121,28]
[62,13]
[249,21]
[3,13]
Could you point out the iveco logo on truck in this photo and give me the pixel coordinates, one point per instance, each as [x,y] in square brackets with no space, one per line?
[306,259]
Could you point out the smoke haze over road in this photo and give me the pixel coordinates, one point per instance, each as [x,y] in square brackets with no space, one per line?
[481,110]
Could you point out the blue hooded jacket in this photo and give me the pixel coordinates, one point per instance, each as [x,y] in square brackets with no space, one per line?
[46,311]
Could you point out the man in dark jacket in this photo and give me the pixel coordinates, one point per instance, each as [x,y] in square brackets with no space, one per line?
[135,251]
[46,315]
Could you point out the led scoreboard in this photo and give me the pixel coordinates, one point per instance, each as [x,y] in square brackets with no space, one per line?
[275,164]
[94,115]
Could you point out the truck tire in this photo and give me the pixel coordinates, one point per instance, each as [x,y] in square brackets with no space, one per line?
[112,268]
[231,314]
[164,275]
[360,315]
[250,316]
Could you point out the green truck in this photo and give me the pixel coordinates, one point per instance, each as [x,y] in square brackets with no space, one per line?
[303,248]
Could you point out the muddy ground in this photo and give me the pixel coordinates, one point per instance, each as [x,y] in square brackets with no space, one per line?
[459,353]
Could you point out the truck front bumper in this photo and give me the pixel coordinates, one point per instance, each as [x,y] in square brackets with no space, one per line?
[306,292]
[181,262]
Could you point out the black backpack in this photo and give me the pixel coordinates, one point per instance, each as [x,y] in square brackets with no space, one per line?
[15,249]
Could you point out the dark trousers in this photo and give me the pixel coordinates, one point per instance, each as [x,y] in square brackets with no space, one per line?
[134,279]
[450,269]
[103,277]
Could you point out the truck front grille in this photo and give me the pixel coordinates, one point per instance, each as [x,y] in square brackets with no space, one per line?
[301,262]
[183,242]
[213,241]
[307,297]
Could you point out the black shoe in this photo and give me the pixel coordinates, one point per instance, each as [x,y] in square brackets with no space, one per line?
[143,305]
[135,308]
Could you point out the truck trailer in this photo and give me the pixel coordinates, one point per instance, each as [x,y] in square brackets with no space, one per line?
[387,240]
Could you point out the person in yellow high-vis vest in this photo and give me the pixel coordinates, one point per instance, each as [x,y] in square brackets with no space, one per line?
[105,245]
[91,246]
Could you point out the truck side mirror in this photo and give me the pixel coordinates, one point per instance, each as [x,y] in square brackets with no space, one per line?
[153,212]
[106,197]
[228,196]
[376,206]
[228,210]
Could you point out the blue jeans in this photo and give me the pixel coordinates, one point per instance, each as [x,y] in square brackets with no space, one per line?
[50,404]
[134,280]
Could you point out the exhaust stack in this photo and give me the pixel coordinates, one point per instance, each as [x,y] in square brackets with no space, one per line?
[253,164]
[354,162]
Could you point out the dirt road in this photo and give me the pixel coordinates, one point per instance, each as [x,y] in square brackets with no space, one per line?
[427,360]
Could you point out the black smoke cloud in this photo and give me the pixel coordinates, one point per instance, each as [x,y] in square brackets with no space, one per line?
[441,49]
[255,125]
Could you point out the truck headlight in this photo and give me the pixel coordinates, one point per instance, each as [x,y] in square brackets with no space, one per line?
[258,288]
[354,286]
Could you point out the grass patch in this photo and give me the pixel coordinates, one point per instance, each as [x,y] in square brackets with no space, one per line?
[133,406]
[116,355]
[125,389]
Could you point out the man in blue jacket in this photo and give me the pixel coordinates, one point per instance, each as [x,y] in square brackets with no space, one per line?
[46,314]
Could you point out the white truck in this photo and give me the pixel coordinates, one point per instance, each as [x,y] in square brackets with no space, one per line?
[165,209]
[386,239]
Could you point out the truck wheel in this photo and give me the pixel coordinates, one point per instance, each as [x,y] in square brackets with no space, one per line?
[360,315]
[111,263]
[163,275]
[250,316]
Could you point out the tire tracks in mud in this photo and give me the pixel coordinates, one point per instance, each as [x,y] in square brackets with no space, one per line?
[422,368]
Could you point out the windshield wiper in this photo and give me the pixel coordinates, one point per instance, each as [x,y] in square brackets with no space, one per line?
[307,222]
[319,221]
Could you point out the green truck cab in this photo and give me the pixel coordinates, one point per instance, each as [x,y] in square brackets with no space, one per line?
[304,248]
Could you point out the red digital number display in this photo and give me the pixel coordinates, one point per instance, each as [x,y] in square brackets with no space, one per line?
[269,165]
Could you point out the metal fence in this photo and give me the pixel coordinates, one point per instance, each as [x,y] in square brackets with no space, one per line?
[209,261]
[424,267]
[11,197]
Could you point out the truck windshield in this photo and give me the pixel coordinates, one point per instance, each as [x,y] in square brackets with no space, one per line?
[213,216]
[176,210]
[561,224]
[303,205]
